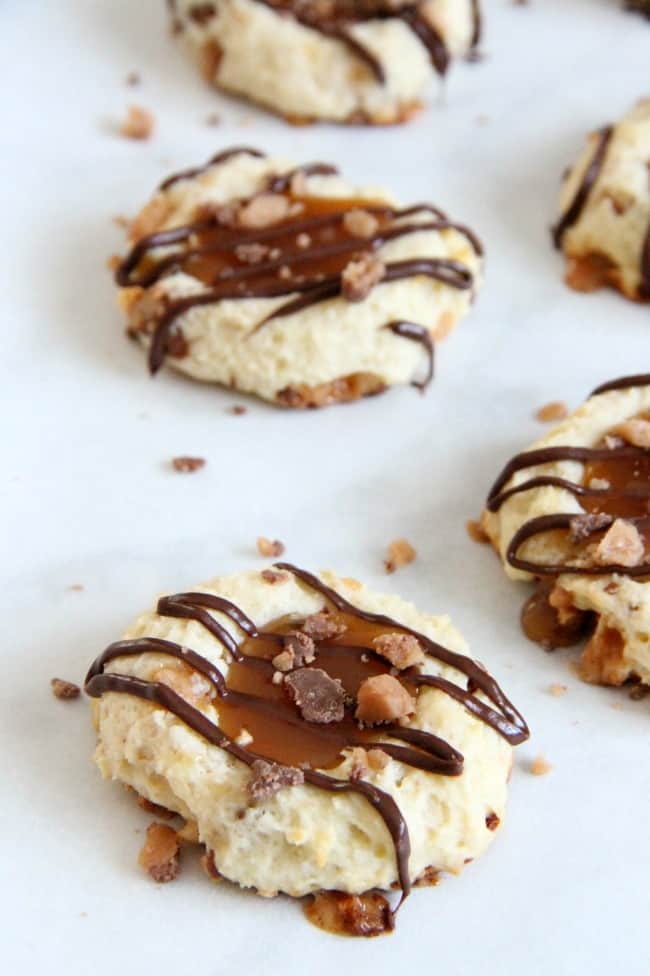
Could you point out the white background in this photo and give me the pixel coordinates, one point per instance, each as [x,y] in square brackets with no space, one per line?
[86,495]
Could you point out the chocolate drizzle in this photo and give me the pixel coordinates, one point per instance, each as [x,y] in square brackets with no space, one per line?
[420,750]
[631,501]
[417,333]
[344,14]
[577,205]
[644,290]
[302,256]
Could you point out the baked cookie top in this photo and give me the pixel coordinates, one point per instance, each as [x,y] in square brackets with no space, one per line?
[574,513]
[363,61]
[290,283]
[321,737]
[604,227]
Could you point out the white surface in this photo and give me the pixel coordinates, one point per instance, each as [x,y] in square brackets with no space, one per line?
[85,495]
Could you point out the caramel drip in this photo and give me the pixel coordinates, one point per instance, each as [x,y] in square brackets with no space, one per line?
[620,475]
[250,699]
[575,208]
[303,256]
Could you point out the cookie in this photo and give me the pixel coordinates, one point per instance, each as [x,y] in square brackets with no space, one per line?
[320,737]
[290,283]
[573,513]
[341,60]
[638,6]
[604,227]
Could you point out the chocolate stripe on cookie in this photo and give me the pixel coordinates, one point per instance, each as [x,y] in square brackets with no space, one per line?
[575,208]
[614,485]
[242,695]
[303,254]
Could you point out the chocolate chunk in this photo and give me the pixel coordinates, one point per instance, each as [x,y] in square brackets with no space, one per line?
[322,626]
[318,697]
[269,778]
[582,526]
[301,646]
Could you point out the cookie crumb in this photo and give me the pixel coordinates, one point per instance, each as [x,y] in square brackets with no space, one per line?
[186,465]
[552,412]
[238,410]
[213,119]
[269,547]
[639,692]
[476,532]
[65,690]
[558,690]
[138,123]
[75,588]
[301,647]
[159,856]
[269,778]
[400,553]
[378,759]
[133,79]
[540,766]
[383,699]
[123,223]
[283,661]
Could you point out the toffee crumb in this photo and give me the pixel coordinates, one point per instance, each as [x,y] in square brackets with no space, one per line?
[551,412]
[269,547]
[159,856]
[187,465]
[65,690]
[540,766]
[476,532]
[400,553]
[138,123]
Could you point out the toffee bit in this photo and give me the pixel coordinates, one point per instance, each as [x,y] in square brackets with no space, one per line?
[138,123]
[476,532]
[582,526]
[540,766]
[269,778]
[402,650]
[301,647]
[187,465]
[360,276]
[383,699]
[263,210]
[159,856]
[323,626]
[318,697]
[252,253]
[272,576]
[364,915]
[552,412]
[360,223]
[65,690]
[558,690]
[269,547]
[621,545]
[154,808]
[400,553]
